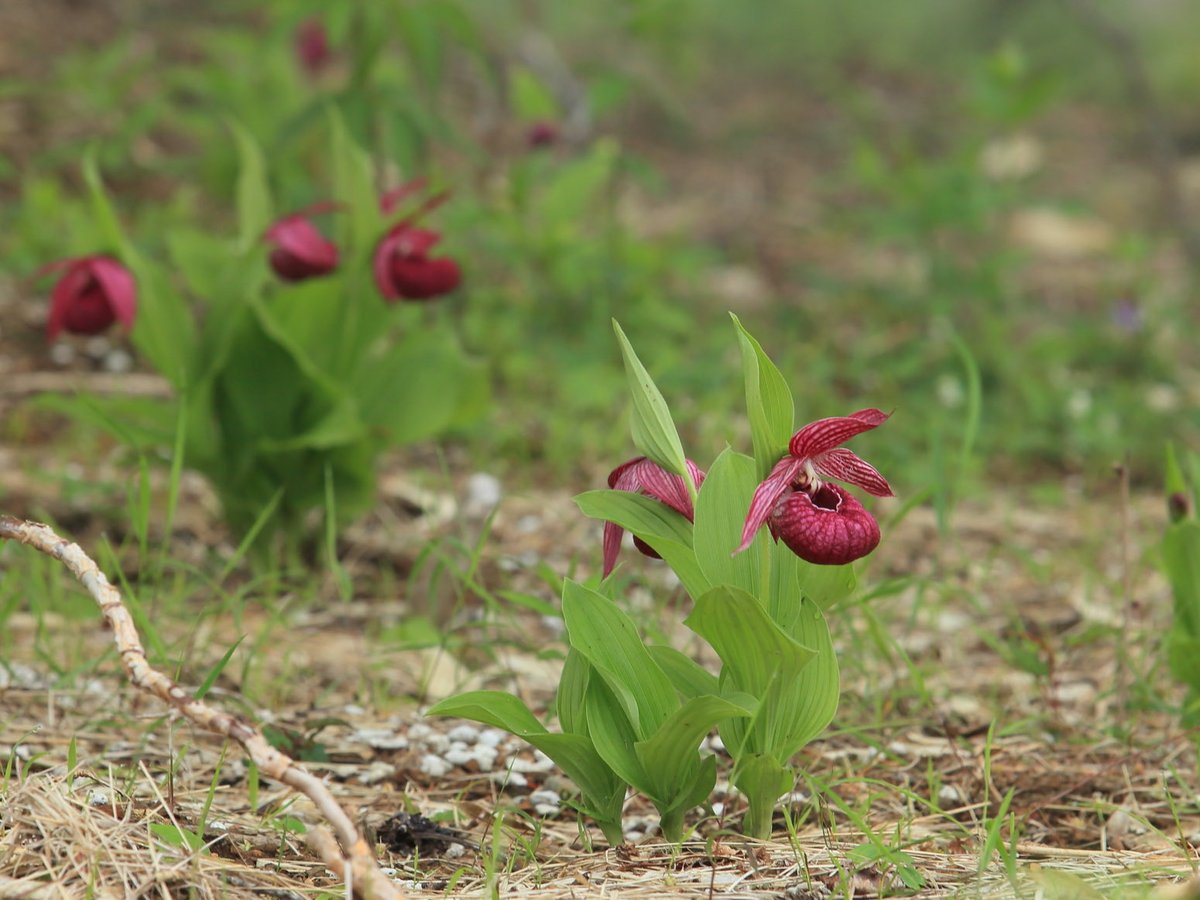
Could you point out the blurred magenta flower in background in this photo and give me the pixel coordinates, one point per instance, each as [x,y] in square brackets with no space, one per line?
[404,270]
[311,42]
[300,251]
[91,294]
[543,134]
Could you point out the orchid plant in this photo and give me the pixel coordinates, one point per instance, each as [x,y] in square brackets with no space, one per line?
[1181,563]
[635,715]
[294,357]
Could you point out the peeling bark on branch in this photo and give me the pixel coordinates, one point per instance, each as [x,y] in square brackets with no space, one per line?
[350,856]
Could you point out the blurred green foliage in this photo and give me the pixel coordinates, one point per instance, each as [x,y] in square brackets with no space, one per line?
[905,289]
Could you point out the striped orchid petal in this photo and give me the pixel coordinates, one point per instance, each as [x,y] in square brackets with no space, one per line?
[823,435]
[766,495]
[846,465]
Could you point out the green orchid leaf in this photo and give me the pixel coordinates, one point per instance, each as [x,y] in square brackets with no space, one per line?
[808,700]
[670,756]
[102,209]
[613,735]
[572,693]
[793,579]
[603,792]
[163,329]
[689,677]
[763,779]
[752,647]
[1181,560]
[824,585]
[610,642]
[699,788]
[768,403]
[720,512]
[495,708]
[354,184]
[669,533]
[253,194]
[413,391]
[702,784]
[654,431]
[1183,658]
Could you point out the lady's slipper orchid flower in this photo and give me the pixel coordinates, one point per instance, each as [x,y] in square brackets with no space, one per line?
[641,476]
[818,521]
[312,46]
[93,292]
[300,251]
[404,270]
[542,134]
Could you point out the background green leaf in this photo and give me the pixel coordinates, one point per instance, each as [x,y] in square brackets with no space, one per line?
[255,210]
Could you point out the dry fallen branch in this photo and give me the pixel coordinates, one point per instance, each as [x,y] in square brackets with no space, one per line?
[354,859]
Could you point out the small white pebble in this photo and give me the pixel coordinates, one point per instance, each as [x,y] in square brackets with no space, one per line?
[459,757]
[62,354]
[353,709]
[117,361]
[528,524]
[438,743]
[491,737]
[418,731]
[467,734]
[381,738]
[542,795]
[949,795]
[534,766]
[554,624]
[376,772]
[505,778]
[97,797]
[633,836]
[455,851]
[486,757]
[97,347]
[483,494]
[797,798]
[546,809]
[434,766]
[899,748]
[218,825]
